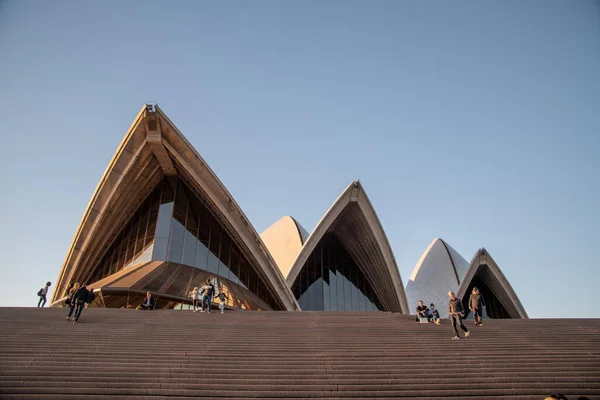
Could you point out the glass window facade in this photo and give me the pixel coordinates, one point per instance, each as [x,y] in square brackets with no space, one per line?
[135,243]
[175,225]
[330,280]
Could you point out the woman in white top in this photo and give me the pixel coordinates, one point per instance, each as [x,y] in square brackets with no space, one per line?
[195,298]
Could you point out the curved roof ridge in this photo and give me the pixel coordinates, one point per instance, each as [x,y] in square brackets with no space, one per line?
[451,261]
[301,230]
[153,143]
[478,261]
[354,194]
[439,269]
[419,263]
[284,241]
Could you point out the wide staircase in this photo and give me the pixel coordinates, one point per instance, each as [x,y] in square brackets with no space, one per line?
[128,354]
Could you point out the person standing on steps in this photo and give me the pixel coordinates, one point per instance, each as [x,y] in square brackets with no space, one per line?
[477,305]
[207,291]
[71,300]
[81,296]
[42,294]
[457,313]
[222,296]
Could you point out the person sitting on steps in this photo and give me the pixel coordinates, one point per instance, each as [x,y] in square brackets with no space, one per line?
[148,303]
[422,311]
[434,315]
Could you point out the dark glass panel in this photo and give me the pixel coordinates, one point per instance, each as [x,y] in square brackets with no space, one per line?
[234,270]
[296,289]
[326,286]
[225,255]
[244,274]
[354,281]
[123,240]
[165,212]
[332,278]
[303,287]
[141,231]
[340,281]
[214,246]
[191,229]
[132,237]
[369,296]
[151,228]
[332,290]
[252,279]
[310,279]
[361,296]
[114,259]
[175,252]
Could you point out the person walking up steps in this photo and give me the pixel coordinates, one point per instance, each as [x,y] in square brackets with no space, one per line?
[71,300]
[457,312]
[42,294]
[81,296]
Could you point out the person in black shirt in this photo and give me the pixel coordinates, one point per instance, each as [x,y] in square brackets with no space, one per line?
[80,298]
[456,312]
[71,300]
[477,304]
[148,303]
[208,292]
[422,311]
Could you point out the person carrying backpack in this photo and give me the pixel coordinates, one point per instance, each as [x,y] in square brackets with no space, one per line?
[71,300]
[42,294]
[81,296]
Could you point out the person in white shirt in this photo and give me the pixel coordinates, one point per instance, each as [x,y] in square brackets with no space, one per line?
[195,295]
[42,293]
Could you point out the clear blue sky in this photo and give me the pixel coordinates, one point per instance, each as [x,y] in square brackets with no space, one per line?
[474,121]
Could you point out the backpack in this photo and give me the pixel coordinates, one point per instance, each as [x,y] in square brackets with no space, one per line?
[90,297]
[40,291]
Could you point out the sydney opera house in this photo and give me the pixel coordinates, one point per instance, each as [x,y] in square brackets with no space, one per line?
[161,221]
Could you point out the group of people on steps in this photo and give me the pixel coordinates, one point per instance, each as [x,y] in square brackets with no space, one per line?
[456,311]
[79,295]
[203,297]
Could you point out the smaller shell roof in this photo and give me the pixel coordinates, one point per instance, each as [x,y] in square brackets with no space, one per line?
[284,240]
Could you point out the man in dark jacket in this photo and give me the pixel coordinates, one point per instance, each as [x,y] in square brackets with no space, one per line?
[208,292]
[148,303]
[477,304]
[81,296]
[422,311]
[456,312]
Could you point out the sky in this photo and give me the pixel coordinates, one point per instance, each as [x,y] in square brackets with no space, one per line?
[474,121]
